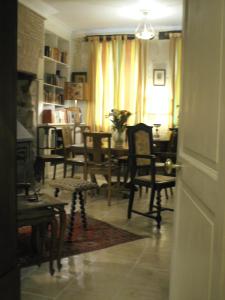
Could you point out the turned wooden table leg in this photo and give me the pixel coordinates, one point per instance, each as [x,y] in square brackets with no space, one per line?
[72,216]
[53,240]
[62,217]
[82,210]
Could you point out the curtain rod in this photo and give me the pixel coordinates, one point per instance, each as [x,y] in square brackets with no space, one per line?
[108,37]
[162,35]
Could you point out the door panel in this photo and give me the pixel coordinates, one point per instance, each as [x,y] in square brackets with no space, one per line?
[194,283]
[203,54]
[201,180]
[198,259]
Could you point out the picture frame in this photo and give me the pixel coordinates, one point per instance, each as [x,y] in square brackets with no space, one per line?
[74,91]
[79,77]
[159,77]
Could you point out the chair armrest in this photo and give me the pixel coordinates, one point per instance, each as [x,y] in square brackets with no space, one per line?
[150,156]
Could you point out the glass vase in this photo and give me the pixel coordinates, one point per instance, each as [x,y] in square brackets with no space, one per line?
[118,138]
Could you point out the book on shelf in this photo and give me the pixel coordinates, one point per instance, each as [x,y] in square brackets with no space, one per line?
[60,116]
[54,116]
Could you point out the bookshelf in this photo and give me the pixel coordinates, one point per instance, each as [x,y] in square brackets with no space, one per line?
[56,68]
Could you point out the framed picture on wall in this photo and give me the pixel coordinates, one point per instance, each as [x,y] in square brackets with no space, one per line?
[73,91]
[159,77]
[79,77]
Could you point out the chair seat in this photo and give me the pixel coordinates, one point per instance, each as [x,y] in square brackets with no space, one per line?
[75,160]
[160,165]
[160,179]
[123,158]
[51,157]
[73,185]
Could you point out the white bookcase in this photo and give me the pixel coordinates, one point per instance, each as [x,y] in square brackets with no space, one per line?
[55,71]
[56,68]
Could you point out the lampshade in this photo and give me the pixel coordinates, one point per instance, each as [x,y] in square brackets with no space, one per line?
[145,30]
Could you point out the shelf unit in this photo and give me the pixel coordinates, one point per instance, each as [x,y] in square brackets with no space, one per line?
[54,71]
[56,68]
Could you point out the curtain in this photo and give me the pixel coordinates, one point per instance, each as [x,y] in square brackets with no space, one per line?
[120,76]
[175,61]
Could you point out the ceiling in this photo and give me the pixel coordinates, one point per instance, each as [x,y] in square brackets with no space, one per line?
[115,16]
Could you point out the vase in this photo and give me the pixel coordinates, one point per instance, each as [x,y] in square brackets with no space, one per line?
[118,138]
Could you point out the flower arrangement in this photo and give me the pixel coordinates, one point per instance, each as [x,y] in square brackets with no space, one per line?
[119,119]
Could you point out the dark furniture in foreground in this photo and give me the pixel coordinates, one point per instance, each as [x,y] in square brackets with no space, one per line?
[40,213]
[142,164]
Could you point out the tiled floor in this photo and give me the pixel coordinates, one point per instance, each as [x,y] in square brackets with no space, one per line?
[134,270]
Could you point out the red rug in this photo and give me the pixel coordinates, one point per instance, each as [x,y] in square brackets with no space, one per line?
[98,235]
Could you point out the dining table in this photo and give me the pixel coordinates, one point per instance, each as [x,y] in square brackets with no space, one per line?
[159,145]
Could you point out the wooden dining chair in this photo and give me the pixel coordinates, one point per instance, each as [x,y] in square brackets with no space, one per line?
[78,131]
[142,164]
[98,158]
[47,150]
[69,157]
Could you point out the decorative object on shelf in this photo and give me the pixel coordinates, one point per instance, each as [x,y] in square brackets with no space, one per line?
[156,135]
[56,54]
[145,30]
[74,91]
[79,77]
[159,77]
[74,115]
[119,119]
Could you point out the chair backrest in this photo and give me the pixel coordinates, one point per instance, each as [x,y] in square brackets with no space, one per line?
[100,145]
[172,145]
[79,129]
[140,142]
[46,138]
[66,136]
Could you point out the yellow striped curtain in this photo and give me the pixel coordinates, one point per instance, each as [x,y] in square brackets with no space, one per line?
[119,78]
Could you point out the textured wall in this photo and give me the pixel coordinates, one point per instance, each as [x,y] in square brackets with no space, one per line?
[80,55]
[30,42]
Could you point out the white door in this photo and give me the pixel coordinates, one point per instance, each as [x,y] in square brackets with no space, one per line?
[198,260]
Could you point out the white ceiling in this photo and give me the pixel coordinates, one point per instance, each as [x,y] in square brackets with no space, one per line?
[115,16]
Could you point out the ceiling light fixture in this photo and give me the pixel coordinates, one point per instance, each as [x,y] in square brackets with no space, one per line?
[145,30]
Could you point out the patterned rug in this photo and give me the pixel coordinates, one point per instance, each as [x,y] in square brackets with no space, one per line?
[98,235]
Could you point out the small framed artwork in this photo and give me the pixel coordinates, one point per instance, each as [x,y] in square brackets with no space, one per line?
[73,91]
[79,77]
[159,77]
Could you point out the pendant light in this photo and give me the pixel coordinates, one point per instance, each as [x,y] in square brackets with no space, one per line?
[145,30]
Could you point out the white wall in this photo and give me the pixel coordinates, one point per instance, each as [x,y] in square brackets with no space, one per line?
[159,96]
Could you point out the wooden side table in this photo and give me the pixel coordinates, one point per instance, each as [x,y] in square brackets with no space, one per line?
[44,210]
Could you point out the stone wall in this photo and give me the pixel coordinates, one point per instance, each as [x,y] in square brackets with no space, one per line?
[30,42]
[80,55]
